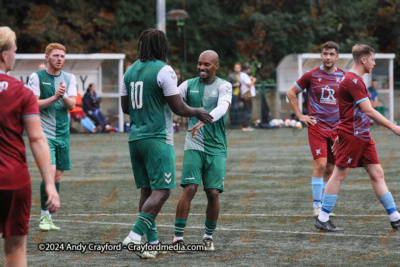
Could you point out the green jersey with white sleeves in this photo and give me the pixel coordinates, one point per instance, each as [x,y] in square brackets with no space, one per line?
[147,84]
[54,118]
[211,138]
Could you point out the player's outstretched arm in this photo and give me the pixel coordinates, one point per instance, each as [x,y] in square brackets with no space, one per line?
[367,108]
[179,107]
[41,153]
[294,103]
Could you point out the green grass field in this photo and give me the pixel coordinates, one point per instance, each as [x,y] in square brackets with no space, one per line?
[265,215]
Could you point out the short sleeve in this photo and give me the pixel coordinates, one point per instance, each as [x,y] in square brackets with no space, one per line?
[124,92]
[225,92]
[360,92]
[183,90]
[34,84]
[29,103]
[167,80]
[72,91]
[304,82]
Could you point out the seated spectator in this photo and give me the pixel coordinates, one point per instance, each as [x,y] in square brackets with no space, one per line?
[91,106]
[77,114]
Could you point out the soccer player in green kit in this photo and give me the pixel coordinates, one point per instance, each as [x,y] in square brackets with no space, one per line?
[55,91]
[205,154]
[149,93]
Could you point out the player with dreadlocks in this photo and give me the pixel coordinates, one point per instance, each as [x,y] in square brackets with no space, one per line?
[149,93]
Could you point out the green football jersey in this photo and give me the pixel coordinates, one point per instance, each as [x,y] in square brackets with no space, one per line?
[211,138]
[54,118]
[146,84]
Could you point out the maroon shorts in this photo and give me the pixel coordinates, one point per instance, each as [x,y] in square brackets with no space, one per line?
[78,115]
[321,142]
[15,210]
[353,152]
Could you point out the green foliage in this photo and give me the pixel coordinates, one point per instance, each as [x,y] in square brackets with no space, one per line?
[261,32]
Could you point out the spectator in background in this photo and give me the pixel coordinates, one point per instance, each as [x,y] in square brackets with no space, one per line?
[77,114]
[178,76]
[91,106]
[373,94]
[233,78]
[42,66]
[247,92]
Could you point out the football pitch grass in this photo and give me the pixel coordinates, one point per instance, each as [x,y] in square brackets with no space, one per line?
[265,215]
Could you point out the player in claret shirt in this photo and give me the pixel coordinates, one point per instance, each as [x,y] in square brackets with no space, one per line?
[19,110]
[321,84]
[354,146]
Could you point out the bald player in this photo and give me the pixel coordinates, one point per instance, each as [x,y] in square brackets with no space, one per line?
[205,147]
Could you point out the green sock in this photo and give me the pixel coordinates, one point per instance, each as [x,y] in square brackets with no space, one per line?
[180,225]
[152,233]
[210,227]
[43,196]
[143,224]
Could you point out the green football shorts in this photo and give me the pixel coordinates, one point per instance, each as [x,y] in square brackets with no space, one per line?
[153,163]
[199,166]
[59,151]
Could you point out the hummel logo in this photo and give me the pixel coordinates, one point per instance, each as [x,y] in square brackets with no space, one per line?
[194,91]
[355,81]
[46,83]
[349,160]
[318,152]
[319,79]
[167,180]
[191,178]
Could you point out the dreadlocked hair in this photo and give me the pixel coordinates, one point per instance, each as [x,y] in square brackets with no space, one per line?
[153,45]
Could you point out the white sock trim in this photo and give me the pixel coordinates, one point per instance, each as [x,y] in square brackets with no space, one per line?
[135,237]
[323,216]
[207,236]
[394,217]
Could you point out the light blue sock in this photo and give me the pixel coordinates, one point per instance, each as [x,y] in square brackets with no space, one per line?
[328,202]
[317,191]
[388,203]
[87,123]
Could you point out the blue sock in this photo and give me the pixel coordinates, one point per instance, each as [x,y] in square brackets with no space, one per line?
[317,191]
[388,203]
[323,187]
[87,123]
[328,202]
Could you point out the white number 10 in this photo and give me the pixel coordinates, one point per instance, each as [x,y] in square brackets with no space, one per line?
[137,95]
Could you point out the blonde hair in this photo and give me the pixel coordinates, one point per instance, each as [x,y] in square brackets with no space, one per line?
[54,46]
[361,50]
[7,38]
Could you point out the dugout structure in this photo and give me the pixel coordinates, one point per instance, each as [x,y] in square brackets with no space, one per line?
[293,66]
[104,70]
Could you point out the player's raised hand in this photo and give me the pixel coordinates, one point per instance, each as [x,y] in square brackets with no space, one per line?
[61,90]
[308,120]
[196,128]
[204,116]
[335,146]
[53,200]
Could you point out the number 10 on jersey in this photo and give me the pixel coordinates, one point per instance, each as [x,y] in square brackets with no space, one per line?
[137,95]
